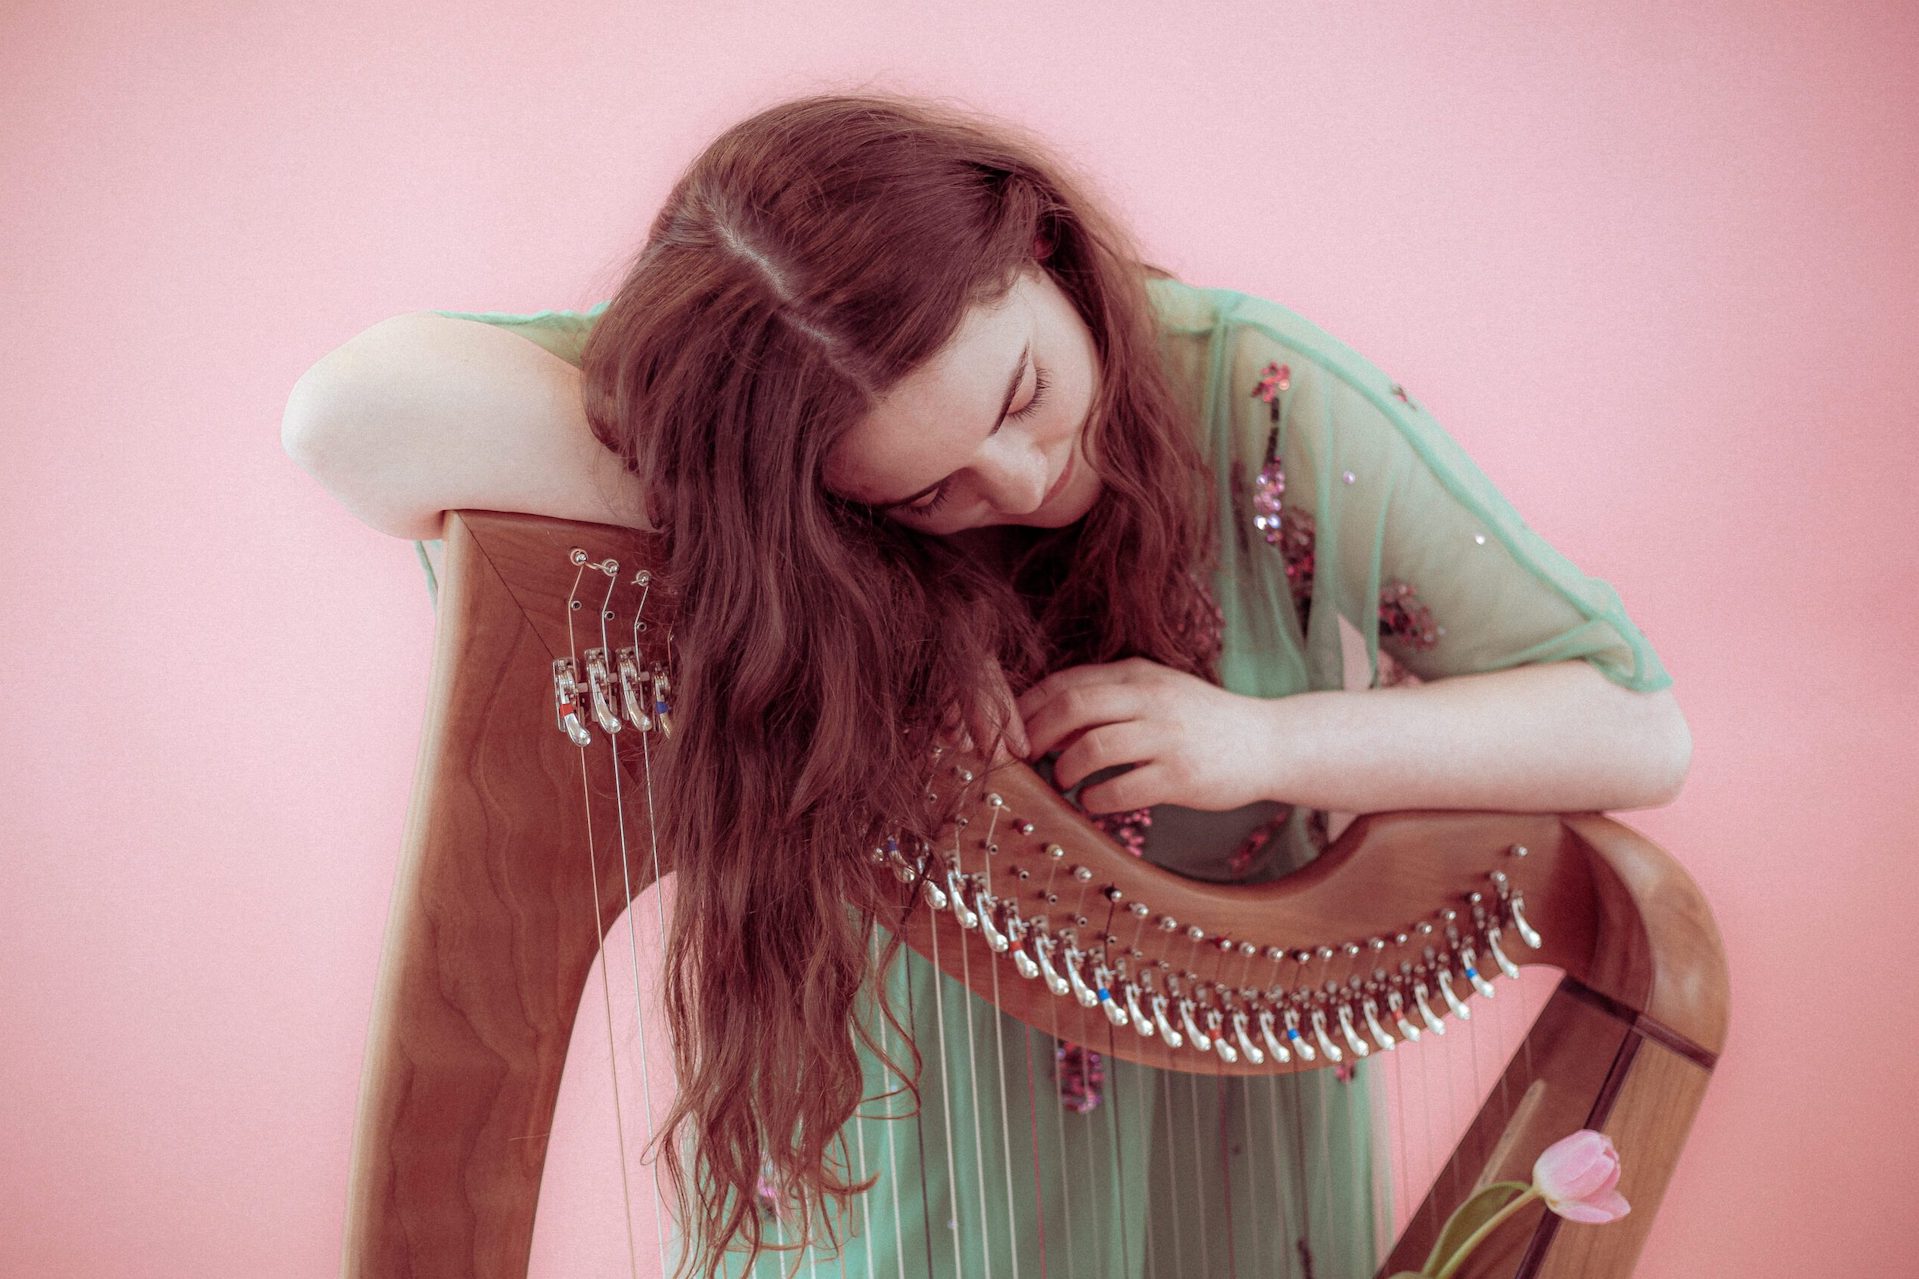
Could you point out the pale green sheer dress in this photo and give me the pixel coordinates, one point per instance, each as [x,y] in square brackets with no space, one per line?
[1360,547]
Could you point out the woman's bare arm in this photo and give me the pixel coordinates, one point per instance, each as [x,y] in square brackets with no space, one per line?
[422,414]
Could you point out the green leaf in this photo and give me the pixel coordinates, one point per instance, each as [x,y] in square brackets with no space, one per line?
[1469,1217]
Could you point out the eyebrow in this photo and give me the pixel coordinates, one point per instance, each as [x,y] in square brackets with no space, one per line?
[1006,405]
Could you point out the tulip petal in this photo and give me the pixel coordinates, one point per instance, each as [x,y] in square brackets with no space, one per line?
[1612,1179]
[1575,1210]
[1610,1207]
[1575,1166]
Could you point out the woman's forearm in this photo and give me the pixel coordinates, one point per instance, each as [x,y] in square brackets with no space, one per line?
[1558,737]
[423,414]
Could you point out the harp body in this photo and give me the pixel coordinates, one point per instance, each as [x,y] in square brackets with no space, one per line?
[499,913]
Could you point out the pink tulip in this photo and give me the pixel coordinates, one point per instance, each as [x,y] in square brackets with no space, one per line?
[1576,1177]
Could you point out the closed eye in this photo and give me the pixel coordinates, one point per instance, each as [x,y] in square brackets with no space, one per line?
[939,495]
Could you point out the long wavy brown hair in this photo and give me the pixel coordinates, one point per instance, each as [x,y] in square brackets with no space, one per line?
[810,258]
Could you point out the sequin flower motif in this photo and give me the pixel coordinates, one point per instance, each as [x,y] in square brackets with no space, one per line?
[1127,829]
[1269,486]
[1082,1075]
[1273,379]
[1402,617]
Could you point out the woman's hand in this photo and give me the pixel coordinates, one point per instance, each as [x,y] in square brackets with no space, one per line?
[992,713]
[1195,744]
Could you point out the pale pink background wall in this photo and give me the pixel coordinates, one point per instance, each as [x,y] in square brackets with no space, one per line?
[1653,265]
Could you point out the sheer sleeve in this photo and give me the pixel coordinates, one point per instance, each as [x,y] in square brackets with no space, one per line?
[563,333]
[1379,517]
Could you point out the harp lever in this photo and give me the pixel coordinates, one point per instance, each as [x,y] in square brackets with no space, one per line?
[1426,1013]
[1396,1005]
[1227,1053]
[1108,1002]
[1043,952]
[632,700]
[994,937]
[1016,930]
[599,682]
[1247,1048]
[566,702]
[1445,980]
[956,894]
[1527,933]
[1273,1046]
[1070,958]
[1141,1022]
[1506,965]
[1302,1046]
[1353,1040]
[1166,1031]
[1327,1047]
[663,702]
[1380,1037]
[1193,1032]
[1470,961]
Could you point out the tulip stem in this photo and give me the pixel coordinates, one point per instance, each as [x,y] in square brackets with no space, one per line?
[1472,1240]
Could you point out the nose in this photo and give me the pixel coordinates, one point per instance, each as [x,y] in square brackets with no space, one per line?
[1017,477]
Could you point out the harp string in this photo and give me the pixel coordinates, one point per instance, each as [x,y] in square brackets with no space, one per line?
[999,1051]
[611,568]
[1391,1189]
[606,997]
[968,1002]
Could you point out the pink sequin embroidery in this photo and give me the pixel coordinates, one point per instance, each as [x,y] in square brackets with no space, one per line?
[1403,618]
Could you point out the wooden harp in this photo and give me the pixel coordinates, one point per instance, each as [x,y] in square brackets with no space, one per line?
[496,921]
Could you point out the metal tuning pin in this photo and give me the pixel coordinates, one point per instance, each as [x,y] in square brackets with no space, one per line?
[988,929]
[1165,1024]
[1470,959]
[1302,1046]
[1108,1002]
[956,895]
[1247,1048]
[599,684]
[1444,979]
[1527,933]
[566,702]
[1141,1022]
[662,702]
[1214,1028]
[1373,1025]
[1270,1039]
[1426,1014]
[1506,965]
[633,699]
[1327,1048]
[1193,1032]
[1043,952]
[1353,1039]
[1396,1006]
[1070,960]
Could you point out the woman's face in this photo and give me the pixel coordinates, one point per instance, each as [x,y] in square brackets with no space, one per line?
[937,455]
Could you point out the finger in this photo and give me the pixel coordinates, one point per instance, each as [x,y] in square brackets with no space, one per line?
[1106,746]
[1143,787]
[1062,681]
[1084,706]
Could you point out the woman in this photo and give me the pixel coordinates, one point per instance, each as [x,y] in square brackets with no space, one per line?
[924,433]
